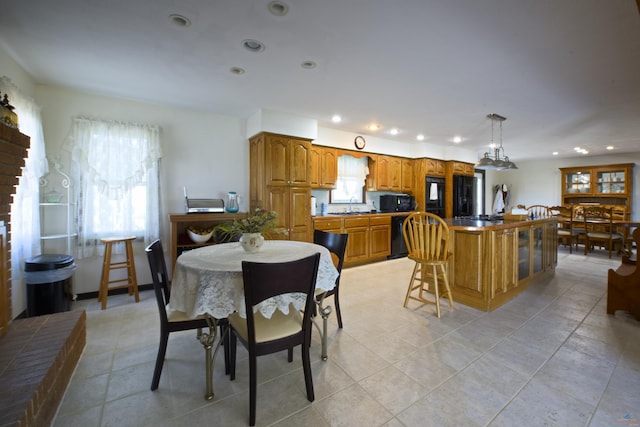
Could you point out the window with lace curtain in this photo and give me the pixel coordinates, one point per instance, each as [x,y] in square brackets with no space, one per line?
[115,166]
[352,173]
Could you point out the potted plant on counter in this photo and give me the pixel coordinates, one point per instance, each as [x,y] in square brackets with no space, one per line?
[250,229]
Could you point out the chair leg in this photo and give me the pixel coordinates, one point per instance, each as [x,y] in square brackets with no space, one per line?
[336,300]
[446,285]
[253,383]
[224,337]
[308,378]
[436,291]
[232,355]
[413,278]
[162,350]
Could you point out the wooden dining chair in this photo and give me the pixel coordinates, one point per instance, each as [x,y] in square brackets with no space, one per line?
[566,232]
[427,239]
[538,211]
[174,321]
[599,228]
[282,331]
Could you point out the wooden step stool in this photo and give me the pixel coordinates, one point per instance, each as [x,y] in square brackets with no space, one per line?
[131,282]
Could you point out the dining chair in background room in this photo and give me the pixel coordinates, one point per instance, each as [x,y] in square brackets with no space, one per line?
[337,245]
[174,321]
[566,232]
[260,335]
[427,239]
[599,228]
[538,211]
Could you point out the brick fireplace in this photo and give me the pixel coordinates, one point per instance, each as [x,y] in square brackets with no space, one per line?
[37,355]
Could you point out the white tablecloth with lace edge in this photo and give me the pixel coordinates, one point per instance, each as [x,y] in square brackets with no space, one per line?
[208,280]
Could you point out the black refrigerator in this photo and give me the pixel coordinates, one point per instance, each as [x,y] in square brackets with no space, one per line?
[434,197]
[464,195]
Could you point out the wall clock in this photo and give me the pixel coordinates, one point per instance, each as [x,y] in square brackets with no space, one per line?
[359,142]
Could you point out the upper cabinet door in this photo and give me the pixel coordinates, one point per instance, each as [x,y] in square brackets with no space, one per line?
[287,161]
[276,153]
[299,162]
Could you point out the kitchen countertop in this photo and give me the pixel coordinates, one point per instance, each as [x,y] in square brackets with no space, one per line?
[356,214]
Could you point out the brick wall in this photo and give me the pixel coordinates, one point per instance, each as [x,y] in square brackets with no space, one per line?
[13,152]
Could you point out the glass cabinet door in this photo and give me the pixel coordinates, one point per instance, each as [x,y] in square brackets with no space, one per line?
[577,182]
[611,182]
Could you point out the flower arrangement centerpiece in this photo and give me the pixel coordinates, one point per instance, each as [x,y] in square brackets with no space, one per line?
[250,229]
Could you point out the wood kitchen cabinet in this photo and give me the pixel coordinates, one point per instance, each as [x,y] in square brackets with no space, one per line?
[407,178]
[323,167]
[504,263]
[380,236]
[388,173]
[605,184]
[433,167]
[358,241]
[280,181]
[369,235]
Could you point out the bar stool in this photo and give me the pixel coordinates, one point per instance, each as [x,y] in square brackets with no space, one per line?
[131,282]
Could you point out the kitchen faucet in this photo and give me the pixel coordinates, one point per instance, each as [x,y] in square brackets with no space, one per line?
[351,200]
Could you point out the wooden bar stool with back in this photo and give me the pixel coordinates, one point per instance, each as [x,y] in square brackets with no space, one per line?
[130,282]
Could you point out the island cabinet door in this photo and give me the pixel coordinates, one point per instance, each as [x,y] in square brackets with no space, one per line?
[466,269]
[504,269]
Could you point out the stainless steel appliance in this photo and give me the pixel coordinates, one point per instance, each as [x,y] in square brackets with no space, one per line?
[464,195]
[396,203]
[202,205]
[434,197]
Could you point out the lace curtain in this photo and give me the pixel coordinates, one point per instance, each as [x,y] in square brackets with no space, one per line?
[115,168]
[25,209]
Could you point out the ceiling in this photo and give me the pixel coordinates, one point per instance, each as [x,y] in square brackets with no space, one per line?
[564,73]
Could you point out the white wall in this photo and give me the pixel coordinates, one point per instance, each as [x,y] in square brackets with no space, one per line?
[207,153]
[539,182]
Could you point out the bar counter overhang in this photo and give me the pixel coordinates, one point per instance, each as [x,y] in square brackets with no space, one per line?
[494,260]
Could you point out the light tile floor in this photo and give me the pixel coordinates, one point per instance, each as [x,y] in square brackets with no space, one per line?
[551,357]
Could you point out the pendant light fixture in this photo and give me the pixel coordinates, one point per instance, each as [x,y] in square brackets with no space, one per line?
[499,161]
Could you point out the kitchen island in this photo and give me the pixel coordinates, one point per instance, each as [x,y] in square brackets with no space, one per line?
[493,261]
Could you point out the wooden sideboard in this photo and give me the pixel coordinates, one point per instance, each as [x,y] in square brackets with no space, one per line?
[178,223]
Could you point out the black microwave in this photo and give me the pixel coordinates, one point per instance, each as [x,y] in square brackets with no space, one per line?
[396,203]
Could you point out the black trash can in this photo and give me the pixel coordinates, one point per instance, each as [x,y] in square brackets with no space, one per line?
[48,279]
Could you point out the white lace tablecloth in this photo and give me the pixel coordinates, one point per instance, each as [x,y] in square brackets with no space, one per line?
[208,280]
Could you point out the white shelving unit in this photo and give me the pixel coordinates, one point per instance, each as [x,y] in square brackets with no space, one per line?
[56,212]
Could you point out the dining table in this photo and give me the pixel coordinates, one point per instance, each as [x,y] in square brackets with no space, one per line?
[207,281]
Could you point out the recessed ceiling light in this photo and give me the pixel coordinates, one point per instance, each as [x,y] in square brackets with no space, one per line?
[555,153]
[373,127]
[236,70]
[253,45]
[336,118]
[394,131]
[457,139]
[309,65]
[278,8]
[179,20]
[420,137]
[610,147]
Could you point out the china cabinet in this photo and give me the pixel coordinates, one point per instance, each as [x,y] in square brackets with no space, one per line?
[605,184]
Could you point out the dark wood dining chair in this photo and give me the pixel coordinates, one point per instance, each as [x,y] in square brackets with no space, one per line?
[174,321]
[263,336]
[599,228]
[336,243]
